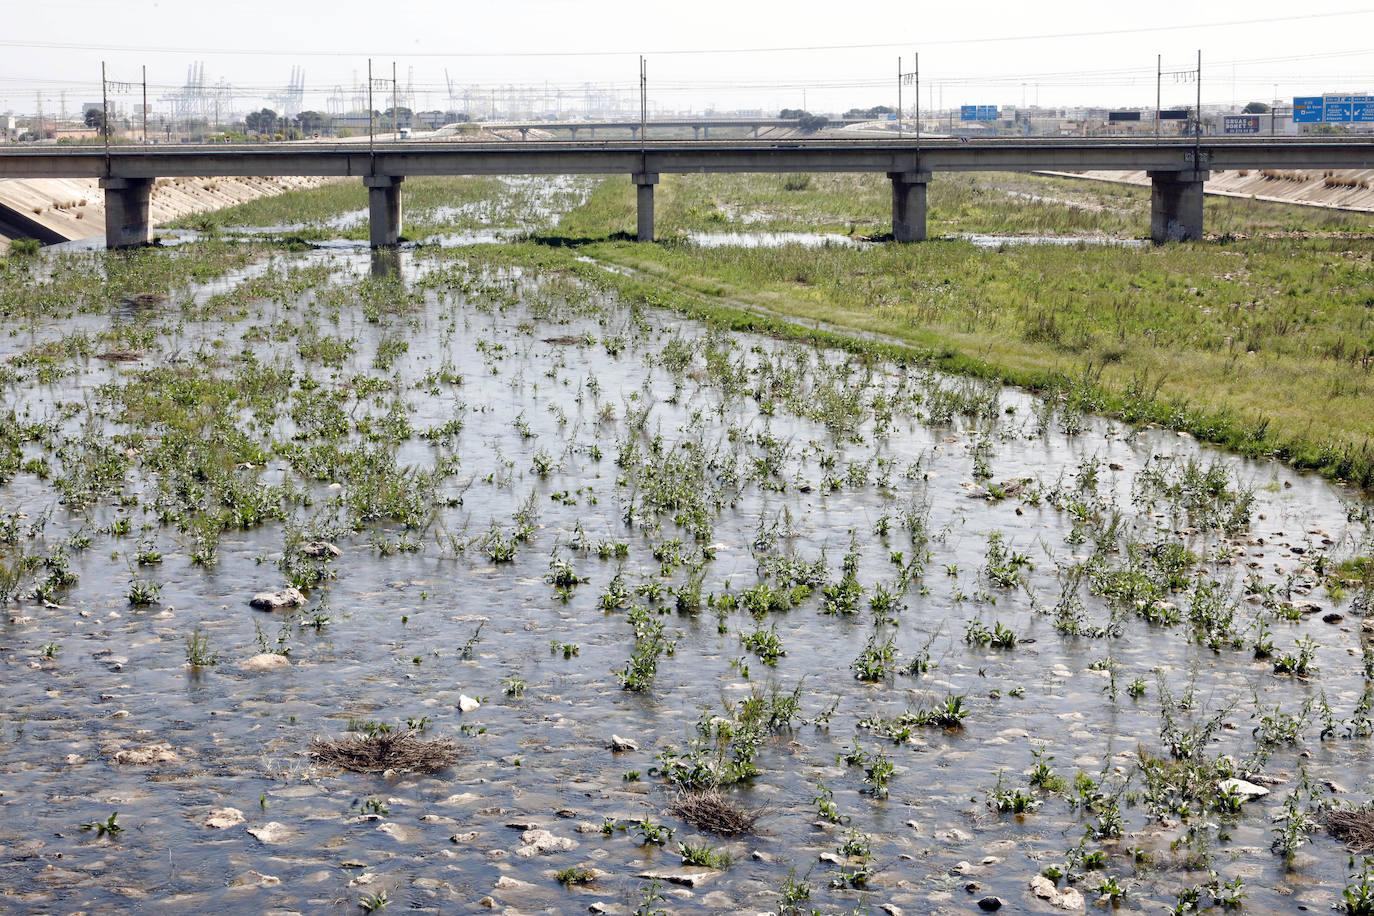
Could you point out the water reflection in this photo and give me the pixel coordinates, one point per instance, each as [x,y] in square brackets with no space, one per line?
[386,262]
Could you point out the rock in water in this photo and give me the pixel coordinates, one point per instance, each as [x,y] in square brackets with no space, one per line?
[275,601]
[222,818]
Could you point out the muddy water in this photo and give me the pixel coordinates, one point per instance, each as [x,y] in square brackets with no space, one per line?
[553,398]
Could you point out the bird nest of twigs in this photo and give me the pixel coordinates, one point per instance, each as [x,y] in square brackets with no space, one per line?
[391,750]
[1352,826]
[714,813]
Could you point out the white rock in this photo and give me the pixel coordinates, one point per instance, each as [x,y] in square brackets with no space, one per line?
[221,818]
[506,883]
[272,832]
[275,601]
[1044,888]
[1242,788]
[142,756]
[687,877]
[319,549]
[536,842]
[619,744]
[467,703]
[267,661]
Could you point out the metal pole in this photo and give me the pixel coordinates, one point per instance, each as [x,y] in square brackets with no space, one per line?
[1197,128]
[899,97]
[916,62]
[395,128]
[370,151]
[643,102]
[1159,58]
[145,104]
[104,115]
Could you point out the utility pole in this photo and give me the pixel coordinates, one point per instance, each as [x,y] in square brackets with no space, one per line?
[105,115]
[371,151]
[145,104]
[916,72]
[1159,71]
[1197,132]
[899,97]
[643,103]
[395,128]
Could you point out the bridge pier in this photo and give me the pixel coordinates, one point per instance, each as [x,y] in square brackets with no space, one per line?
[909,205]
[573,131]
[644,184]
[696,132]
[1176,205]
[126,211]
[383,209]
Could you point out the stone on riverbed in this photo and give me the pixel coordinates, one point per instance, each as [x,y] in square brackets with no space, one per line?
[687,877]
[222,818]
[266,661]
[541,842]
[143,756]
[1242,788]
[320,550]
[272,832]
[275,601]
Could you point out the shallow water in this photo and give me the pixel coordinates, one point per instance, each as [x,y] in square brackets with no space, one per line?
[594,422]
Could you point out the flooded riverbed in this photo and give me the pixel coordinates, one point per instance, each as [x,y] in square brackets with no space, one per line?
[941,637]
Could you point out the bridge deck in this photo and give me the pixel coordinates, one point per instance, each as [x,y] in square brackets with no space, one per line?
[593,157]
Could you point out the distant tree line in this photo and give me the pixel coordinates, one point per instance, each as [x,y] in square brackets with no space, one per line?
[268,122]
[875,113]
[806,121]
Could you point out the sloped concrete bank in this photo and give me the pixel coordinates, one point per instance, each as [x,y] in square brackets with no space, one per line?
[1341,190]
[65,209]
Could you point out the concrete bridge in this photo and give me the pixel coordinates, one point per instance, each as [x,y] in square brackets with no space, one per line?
[1177,169]
[701,127]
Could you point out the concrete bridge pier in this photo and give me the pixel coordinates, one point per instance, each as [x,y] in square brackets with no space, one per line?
[383,209]
[644,184]
[573,131]
[696,132]
[909,205]
[126,211]
[1176,205]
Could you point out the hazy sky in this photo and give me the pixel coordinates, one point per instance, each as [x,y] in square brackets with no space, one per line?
[703,54]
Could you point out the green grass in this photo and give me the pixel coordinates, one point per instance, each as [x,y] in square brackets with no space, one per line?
[988,202]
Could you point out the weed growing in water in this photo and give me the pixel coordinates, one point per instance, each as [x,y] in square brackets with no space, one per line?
[109,827]
[704,856]
[198,654]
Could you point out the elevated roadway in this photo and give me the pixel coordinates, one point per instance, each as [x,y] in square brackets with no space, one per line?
[1177,168]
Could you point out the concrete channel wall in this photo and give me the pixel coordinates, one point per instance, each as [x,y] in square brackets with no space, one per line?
[64,209]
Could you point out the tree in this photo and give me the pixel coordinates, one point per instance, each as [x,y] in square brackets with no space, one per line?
[809,123]
[95,118]
[403,116]
[1255,108]
[261,122]
[877,111]
[312,121]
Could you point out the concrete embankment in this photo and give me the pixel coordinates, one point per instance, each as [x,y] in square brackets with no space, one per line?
[64,209]
[1344,190]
